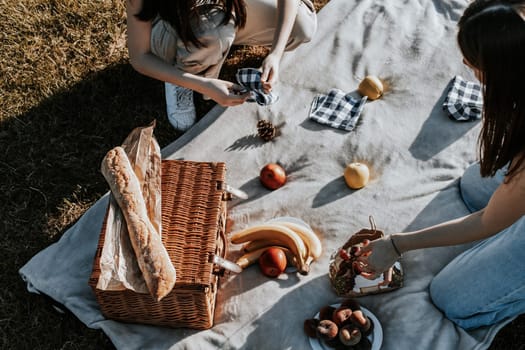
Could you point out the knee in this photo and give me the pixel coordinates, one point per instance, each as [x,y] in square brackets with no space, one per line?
[447,298]
[439,294]
[304,32]
[304,27]
[450,301]
[299,35]
[304,35]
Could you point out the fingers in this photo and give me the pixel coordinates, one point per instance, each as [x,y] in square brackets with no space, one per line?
[363,252]
[362,249]
[237,95]
[362,267]
[234,102]
[387,277]
[266,74]
[370,275]
[267,87]
[366,248]
[368,272]
[267,80]
[237,89]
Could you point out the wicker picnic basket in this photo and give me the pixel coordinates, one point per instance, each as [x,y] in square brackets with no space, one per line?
[193,230]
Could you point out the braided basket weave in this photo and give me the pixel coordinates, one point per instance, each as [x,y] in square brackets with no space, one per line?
[193,231]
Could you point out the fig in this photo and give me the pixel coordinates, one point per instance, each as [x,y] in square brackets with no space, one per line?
[364,344]
[326,312]
[310,327]
[327,330]
[334,343]
[362,321]
[341,315]
[352,304]
[350,335]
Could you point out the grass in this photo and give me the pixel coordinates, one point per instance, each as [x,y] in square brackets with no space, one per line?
[68,94]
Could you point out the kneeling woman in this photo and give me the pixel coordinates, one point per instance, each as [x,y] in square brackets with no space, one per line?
[185,42]
[485,284]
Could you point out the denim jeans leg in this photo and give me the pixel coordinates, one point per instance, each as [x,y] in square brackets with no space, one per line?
[485,284]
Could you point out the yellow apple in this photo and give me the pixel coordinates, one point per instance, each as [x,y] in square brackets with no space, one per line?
[356,175]
[371,87]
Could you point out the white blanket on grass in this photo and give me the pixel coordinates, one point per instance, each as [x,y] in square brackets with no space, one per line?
[415,152]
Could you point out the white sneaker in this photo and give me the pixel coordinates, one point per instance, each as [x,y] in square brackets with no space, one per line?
[180,107]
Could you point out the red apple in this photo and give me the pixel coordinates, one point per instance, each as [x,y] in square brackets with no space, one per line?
[272,262]
[272,176]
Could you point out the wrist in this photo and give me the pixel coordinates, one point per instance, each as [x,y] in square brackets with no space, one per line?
[276,52]
[196,83]
[394,241]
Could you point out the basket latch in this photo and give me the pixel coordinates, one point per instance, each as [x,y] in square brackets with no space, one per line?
[224,265]
[230,191]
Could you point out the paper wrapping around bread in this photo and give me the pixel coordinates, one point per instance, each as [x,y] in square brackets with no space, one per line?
[144,155]
[344,277]
[122,263]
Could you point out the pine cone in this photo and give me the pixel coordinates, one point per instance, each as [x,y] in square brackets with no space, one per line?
[266,130]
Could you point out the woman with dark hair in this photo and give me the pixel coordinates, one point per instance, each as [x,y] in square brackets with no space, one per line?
[485,284]
[185,42]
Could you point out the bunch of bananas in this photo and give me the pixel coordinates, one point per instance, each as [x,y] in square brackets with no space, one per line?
[298,241]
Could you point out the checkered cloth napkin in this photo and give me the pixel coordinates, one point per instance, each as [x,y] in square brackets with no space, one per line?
[337,109]
[250,78]
[464,100]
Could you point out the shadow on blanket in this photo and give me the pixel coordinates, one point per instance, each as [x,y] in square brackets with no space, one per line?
[436,134]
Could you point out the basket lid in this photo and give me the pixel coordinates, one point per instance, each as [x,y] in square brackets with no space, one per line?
[193,215]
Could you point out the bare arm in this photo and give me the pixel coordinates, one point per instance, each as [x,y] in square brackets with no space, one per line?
[287,12]
[505,207]
[145,62]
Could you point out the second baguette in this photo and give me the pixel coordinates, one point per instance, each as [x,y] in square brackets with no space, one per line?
[152,257]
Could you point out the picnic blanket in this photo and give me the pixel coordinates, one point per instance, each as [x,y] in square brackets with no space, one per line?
[415,152]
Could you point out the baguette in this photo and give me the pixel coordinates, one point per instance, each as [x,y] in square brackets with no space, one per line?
[152,257]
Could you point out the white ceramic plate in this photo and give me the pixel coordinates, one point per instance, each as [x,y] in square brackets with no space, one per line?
[376,337]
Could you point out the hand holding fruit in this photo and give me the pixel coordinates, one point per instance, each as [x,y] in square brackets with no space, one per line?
[378,256]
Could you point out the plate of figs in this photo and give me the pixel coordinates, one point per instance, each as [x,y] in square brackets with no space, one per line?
[345,325]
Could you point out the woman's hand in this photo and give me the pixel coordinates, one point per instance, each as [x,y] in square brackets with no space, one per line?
[377,257]
[224,92]
[270,71]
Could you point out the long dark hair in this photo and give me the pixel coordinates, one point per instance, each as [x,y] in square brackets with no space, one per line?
[492,39]
[182,14]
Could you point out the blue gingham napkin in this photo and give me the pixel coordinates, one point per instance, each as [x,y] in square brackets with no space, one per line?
[250,79]
[337,109]
[464,100]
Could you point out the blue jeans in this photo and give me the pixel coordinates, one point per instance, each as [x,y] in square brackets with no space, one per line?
[485,284]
